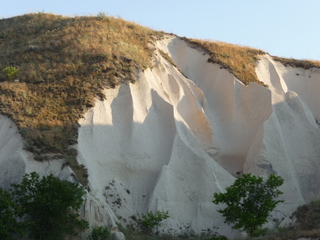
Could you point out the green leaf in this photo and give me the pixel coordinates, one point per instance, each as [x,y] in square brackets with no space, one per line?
[249,201]
[50,206]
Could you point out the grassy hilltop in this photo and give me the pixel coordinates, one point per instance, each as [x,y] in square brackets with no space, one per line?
[62,65]
[53,67]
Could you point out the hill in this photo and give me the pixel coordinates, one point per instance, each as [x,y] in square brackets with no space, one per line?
[148,120]
[62,65]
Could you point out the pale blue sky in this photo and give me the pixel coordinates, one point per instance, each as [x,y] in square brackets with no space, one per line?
[285,28]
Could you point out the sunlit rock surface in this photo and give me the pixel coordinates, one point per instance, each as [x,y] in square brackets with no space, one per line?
[172,139]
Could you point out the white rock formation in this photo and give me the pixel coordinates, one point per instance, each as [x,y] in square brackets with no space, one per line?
[169,142]
[15,162]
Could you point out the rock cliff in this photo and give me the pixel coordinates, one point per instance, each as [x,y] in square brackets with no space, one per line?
[181,133]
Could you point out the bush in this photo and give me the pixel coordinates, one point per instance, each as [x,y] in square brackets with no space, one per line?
[50,206]
[220,237]
[249,201]
[11,72]
[152,220]
[9,212]
[308,216]
[99,233]
[102,16]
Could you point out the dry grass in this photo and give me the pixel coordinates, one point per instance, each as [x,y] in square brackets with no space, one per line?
[63,65]
[240,61]
[305,64]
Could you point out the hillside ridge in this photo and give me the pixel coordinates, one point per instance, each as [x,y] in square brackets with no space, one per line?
[64,63]
[152,121]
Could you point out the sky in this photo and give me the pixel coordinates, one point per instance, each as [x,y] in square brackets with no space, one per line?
[284,28]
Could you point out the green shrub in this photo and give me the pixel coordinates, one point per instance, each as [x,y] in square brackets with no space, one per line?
[9,213]
[99,233]
[152,220]
[220,237]
[259,232]
[11,72]
[50,206]
[249,201]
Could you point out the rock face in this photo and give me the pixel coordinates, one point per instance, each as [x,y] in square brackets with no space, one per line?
[15,161]
[171,140]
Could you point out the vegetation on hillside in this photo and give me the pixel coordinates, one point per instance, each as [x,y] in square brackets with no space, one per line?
[41,208]
[305,64]
[249,201]
[239,60]
[53,67]
[151,220]
[9,212]
[306,225]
